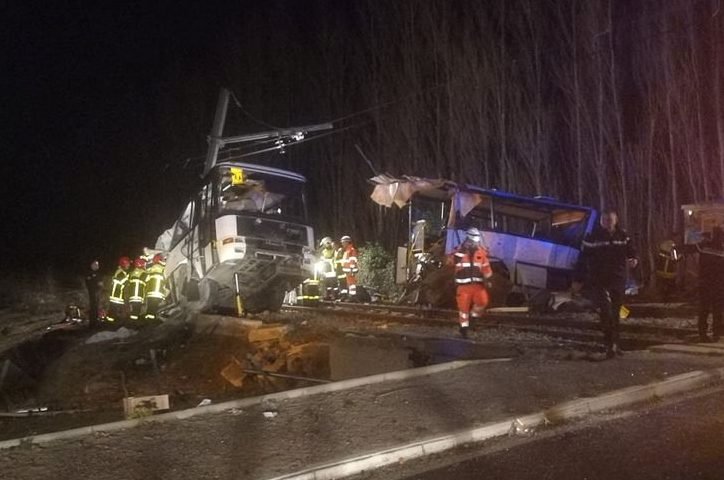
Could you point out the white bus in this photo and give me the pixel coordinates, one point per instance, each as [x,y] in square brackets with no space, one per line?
[245,231]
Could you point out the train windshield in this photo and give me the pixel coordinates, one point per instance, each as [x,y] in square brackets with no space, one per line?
[261,194]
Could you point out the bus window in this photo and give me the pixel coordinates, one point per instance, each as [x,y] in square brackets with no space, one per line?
[183,224]
[261,194]
[432,211]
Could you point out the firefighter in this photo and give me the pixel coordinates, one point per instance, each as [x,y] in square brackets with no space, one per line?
[472,278]
[137,287]
[667,262]
[340,288]
[94,284]
[155,286]
[350,266]
[711,277]
[326,269]
[606,252]
[117,298]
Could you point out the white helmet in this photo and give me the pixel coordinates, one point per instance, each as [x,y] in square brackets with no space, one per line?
[326,241]
[473,234]
[345,238]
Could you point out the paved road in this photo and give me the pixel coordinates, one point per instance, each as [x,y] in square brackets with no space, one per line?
[683,440]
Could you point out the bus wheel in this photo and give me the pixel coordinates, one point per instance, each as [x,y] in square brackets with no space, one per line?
[208,291]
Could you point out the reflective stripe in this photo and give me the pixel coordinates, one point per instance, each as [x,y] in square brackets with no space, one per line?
[465,324]
[468,280]
[458,254]
[351,259]
[117,301]
[604,243]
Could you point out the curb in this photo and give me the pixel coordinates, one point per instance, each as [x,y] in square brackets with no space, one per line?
[558,413]
[246,402]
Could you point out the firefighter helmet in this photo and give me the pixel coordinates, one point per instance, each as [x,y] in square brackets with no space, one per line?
[124,262]
[345,238]
[139,263]
[473,234]
[158,258]
[326,242]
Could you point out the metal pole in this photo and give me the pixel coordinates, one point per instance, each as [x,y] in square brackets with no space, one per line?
[215,141]
[237,294]
[282,375]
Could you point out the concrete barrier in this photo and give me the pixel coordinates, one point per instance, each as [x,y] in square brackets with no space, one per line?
[565,411]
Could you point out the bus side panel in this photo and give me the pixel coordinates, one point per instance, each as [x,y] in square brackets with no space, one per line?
[229,246]
[529,260]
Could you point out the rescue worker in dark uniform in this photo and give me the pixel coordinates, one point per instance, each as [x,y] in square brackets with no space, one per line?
[137,288]
[606,252]
[155,286]
[667,262]
[711,290]
[94,284]
[326,271]
[117,298]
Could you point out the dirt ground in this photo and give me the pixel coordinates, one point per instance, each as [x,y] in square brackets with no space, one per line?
[180,358]
[194,358]
[320,428]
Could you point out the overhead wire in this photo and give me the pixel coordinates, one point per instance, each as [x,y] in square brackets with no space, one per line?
[443,84]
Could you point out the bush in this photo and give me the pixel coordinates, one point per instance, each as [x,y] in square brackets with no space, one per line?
[377,270]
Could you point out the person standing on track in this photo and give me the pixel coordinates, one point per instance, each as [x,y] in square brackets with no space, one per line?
[606,253]
[472,278]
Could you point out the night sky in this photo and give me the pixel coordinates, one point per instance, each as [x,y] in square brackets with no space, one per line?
[87,148]
[107,106]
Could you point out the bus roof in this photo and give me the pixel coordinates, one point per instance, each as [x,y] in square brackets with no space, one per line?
[387,192]
[547,201]
[278,172]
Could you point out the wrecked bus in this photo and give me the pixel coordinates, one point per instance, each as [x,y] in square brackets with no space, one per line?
[534,242]
[244,235]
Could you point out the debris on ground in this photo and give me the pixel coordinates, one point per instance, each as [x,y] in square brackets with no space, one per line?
[108,335]
[135,407]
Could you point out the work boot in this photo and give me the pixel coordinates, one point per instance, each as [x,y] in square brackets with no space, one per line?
[464,332]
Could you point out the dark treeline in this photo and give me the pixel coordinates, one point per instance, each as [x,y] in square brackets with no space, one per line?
[609,103]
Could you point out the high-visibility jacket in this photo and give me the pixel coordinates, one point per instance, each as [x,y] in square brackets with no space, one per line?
[349,260]
[137,285]
[667,259]
[155,282]
[339,263]
[471,265]
[120,279]
[327,256]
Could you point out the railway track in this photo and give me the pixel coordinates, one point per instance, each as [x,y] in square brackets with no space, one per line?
[570,327]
